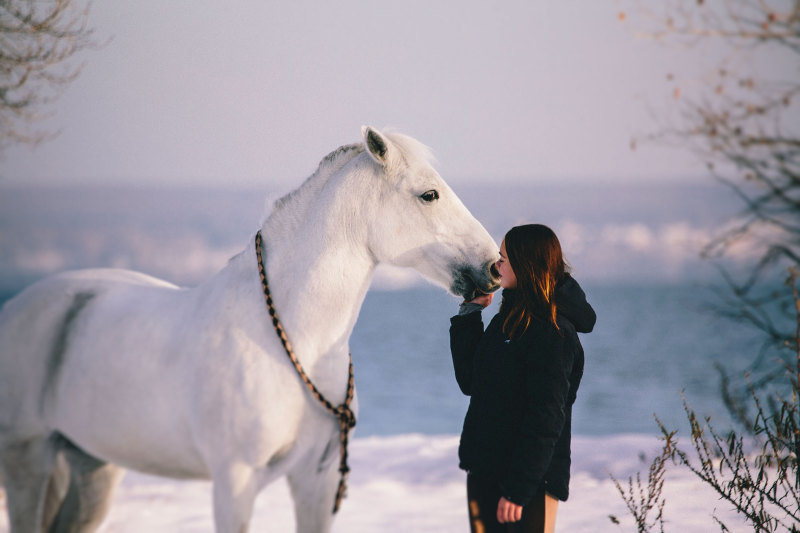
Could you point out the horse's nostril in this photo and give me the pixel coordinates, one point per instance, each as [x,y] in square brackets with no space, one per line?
[493,271]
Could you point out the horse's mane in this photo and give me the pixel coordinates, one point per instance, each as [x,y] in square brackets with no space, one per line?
[328,166]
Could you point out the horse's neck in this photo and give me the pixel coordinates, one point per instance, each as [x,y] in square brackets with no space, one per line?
[318,272]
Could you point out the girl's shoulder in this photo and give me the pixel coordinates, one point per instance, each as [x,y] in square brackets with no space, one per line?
[496,322]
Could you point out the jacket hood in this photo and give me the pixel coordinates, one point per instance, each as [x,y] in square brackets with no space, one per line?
[571,304]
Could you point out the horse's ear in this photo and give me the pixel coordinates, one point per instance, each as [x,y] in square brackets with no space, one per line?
[378,146]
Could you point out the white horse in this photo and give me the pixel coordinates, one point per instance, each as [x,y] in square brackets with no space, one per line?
[103,370]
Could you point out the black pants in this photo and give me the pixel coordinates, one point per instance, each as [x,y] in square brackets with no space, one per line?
[482,499]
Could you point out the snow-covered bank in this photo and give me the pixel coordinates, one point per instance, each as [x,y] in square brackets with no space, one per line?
[412,483]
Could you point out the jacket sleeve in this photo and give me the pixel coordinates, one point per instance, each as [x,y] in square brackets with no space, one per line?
[547,370]
[465,333]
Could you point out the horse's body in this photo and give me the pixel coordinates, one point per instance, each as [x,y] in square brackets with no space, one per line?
[102,370]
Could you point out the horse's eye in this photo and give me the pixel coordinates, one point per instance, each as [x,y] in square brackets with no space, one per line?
[430,196]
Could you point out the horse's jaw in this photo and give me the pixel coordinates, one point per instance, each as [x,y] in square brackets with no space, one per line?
[453,271]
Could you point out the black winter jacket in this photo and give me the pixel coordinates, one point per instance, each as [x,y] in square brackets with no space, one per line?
[517,430]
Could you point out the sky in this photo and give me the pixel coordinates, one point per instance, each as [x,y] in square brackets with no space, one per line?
[236,94]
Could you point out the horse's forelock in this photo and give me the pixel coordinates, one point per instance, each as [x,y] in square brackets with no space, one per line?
[410,148]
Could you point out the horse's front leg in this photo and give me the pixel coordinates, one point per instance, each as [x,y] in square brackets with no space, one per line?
[314,484]
[235,490]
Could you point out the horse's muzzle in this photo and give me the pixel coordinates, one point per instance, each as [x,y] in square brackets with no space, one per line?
[470,282]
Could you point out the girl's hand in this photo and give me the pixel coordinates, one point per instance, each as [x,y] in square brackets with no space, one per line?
[482,299]
[508,511]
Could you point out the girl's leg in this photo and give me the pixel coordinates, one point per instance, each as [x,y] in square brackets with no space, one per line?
[539,516]
[482,498]
[550,510]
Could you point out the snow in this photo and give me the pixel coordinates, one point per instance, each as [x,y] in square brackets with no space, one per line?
[412,483]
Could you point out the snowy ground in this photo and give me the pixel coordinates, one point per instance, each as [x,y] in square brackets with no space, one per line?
[412,483]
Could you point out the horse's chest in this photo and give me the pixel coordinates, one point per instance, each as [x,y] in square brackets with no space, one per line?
[261,412]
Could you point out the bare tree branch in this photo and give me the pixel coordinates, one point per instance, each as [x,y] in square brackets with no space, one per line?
[746,127]
[739,126]
[38,40]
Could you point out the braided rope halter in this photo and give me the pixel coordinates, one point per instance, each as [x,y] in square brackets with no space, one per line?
[342,412]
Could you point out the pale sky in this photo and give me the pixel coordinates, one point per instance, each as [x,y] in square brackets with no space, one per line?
[248,93]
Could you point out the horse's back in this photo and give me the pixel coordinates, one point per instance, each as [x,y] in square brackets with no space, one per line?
[64,285]
[32,316]
[34,331]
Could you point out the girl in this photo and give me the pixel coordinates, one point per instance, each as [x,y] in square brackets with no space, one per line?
[522,375]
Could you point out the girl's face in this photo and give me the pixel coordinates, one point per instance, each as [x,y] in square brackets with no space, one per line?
[507,278]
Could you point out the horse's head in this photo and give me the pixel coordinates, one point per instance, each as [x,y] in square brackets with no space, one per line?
[416,220]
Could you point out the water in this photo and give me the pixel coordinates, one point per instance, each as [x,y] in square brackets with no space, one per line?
[650,344]
[652,340]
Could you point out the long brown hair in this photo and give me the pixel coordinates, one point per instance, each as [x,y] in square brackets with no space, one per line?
[534,255]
